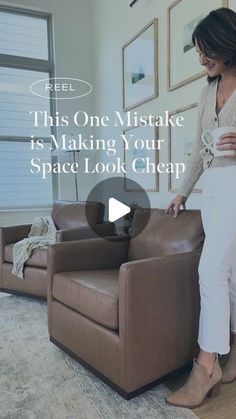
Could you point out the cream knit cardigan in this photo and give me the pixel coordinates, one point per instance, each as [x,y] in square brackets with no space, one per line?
[201,158]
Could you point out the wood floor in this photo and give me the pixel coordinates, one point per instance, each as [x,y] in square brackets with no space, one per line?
[220,407]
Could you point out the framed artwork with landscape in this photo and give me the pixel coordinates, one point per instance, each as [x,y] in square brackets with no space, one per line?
[183,64]
[140,67]
[180,144]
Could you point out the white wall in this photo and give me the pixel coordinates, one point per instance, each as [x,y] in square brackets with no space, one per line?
[88,39]
[73,58]
[114,24]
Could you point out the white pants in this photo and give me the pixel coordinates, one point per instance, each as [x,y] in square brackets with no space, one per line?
[217,267]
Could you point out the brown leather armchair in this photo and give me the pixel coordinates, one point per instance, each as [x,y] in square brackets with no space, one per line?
[127,308]
[70,219]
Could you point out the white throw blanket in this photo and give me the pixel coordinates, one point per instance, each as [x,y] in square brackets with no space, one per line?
[42,233]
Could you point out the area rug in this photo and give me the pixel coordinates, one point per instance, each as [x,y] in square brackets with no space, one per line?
[39,381]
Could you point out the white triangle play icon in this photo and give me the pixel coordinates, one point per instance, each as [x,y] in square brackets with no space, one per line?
[117,209]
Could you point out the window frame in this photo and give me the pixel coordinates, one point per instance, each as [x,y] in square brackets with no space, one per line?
[33,64]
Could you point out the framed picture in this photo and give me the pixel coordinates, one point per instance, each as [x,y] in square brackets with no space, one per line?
[139,158]
[183,63]
[180,144]
[139,67]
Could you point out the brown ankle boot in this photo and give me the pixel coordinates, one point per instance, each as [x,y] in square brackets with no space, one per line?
[198,386]
[229,369]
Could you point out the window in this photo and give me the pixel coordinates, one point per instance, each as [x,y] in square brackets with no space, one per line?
[25,57]
[23,35]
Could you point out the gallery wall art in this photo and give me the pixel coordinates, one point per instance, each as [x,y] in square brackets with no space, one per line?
[183,63]
[140,67]
[137,158]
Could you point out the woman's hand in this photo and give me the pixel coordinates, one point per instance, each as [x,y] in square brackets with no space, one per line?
[227,142]
[175,205]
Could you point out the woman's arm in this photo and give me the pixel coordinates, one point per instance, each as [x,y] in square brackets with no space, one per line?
[195,164]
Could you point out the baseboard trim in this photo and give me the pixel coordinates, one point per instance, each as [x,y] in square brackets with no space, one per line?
[115,387]
[23,294]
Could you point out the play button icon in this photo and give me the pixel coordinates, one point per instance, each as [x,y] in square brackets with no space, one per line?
[117,210]
[121,198]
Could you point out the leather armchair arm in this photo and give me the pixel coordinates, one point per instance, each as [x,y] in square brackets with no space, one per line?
[86,232]
[88,254]
[12,234]
[159,308]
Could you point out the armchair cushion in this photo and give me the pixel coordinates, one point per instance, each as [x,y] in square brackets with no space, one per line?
[86,232]
[91,293]
[69,214]
[37,259]
[165,235]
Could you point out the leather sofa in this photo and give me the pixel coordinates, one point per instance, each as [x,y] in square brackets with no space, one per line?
[127,308]
[71,220]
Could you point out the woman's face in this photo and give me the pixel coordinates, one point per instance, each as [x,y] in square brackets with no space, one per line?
[214,66]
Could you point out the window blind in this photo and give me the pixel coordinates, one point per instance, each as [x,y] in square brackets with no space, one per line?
[16,103]
[19,187]
[23,37]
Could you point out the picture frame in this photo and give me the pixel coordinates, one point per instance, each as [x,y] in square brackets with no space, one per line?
[180,144]
[148,181]
[140,67]
[183,64]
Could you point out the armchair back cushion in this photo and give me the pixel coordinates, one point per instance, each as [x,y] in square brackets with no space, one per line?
[164,234]
[67,214]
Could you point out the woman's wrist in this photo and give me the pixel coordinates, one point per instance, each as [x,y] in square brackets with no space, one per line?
[184,197]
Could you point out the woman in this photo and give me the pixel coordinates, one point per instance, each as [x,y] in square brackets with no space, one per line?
[215,42]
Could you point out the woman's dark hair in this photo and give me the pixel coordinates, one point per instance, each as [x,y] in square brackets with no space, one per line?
[216,37]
